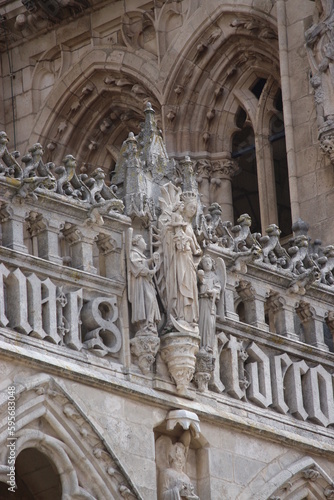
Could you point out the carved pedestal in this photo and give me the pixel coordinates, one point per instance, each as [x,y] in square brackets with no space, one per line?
[145,348]
[179,350]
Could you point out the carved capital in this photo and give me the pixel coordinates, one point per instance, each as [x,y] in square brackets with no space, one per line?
[224,168]
[36,223]
[106,243]
[72,234]
[305,311]
[6,212]
[203,169]
[275,302]
[246,290]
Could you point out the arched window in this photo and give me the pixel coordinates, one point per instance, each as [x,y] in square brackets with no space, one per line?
[245,193]
[36,477]
[261,187]
[278,148]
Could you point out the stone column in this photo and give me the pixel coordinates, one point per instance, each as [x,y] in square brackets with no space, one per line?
[222,171]
[203,169]
[12,222]
[81,247]
[47,233]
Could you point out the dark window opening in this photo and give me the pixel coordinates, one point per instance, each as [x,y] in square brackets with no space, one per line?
[240,117]
[328,337]
[278,103]
[245,193]
[241,312]
[36,477]
[258,87]
[278,148]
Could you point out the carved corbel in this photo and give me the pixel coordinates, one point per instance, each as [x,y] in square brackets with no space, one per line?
[327,146]
[145,348]
[205,364]
[311,474]
[188,420]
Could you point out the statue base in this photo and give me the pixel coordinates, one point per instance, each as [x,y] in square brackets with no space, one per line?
[179,350]
[145,348]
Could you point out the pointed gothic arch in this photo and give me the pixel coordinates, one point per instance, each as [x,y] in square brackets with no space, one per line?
[94,105]
[48,420]
[303,479]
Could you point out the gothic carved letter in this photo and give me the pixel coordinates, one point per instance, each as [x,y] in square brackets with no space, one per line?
[259,389]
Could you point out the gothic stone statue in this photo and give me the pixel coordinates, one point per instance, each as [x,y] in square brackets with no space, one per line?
[211,285]
[141,291]
[179,251]
[174,484]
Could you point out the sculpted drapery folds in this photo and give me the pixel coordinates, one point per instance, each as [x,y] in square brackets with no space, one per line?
[174,484]
[179,255]
[141,290]
[211,285]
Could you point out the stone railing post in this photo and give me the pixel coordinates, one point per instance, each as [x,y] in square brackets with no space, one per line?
[203,168]
[283,313]
[81,246]
[47,234]
[229,299]
[254,298]
[313,323]
[110,249]
[12,222]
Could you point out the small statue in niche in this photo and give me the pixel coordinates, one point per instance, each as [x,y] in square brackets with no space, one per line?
[211,286]
[174,484]
[141,290]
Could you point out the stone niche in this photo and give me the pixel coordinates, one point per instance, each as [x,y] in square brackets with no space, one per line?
[182,457]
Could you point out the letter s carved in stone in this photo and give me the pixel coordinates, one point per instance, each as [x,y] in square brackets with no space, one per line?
[100,333]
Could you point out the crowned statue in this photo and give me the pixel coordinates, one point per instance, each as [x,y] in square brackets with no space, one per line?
[179,256]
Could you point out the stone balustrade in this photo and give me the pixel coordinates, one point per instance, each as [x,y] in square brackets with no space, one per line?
[62,275]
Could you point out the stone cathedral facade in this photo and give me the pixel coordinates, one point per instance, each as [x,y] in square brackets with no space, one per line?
[167,249]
